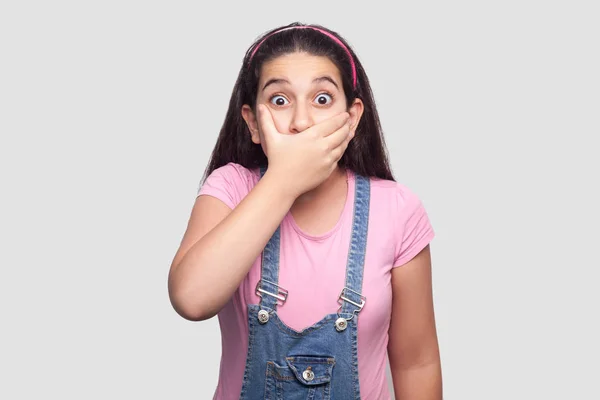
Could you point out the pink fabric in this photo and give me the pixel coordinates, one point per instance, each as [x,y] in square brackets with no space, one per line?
[313,270]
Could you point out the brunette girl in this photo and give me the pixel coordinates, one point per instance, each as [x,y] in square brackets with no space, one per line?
[316,261]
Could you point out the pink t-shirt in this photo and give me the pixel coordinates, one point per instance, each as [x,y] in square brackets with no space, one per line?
[312,269]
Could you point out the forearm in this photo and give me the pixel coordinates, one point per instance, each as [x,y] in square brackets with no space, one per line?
[213,267]
[419,382]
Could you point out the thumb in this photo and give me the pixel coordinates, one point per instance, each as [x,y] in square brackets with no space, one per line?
[265,122]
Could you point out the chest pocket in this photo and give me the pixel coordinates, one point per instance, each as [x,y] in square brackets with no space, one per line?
[300,378]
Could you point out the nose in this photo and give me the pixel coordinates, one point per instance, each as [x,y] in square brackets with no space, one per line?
[301,119]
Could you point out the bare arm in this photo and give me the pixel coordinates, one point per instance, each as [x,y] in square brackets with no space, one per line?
[413,346]
[219,247]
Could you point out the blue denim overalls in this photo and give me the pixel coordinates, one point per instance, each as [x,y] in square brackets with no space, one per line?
[320,362]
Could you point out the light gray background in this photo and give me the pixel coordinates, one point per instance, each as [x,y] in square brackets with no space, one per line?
[108,112]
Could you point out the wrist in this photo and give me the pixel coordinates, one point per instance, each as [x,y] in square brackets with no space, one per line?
[281,186]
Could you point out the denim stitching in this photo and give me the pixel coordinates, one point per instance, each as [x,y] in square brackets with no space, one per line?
[281,339]
[356,377]
[248,367]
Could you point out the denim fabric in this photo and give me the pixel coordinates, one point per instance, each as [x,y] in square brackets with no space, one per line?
[320,362]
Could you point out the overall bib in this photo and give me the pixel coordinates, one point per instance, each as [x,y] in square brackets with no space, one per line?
[319,362]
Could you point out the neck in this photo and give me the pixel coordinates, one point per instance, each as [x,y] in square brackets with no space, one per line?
[328,187]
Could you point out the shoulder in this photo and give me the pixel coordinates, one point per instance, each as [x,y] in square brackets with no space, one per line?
[235,173]
[401,198]
[401,205]
[230,183]
[401,208]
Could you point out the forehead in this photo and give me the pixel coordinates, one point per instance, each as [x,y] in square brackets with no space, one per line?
[299,66]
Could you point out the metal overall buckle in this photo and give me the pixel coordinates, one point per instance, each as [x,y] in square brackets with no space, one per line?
[281,295]
[342,323]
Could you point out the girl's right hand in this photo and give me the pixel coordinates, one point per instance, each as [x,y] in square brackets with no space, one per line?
[302,161]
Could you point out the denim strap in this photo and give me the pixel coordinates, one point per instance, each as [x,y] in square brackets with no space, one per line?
[270,266]
[358,243]
[356,253]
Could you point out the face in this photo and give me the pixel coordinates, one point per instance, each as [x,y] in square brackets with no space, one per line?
[300,90]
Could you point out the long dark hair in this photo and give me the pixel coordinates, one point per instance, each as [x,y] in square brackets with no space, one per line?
[366,154]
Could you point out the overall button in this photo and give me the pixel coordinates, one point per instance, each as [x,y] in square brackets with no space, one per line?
[308,374]
[341,324]
[263,316]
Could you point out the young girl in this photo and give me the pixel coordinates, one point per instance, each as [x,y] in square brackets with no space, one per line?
[315,260]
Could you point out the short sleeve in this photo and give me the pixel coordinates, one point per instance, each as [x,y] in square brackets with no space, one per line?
[414,230]
[229,183]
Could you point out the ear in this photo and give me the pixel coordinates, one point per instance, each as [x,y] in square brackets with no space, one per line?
[250,118]
[356,112]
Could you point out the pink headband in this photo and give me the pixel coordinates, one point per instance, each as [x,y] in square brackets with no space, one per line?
[338,41]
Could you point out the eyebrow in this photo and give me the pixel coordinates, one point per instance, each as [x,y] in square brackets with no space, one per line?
[324,78]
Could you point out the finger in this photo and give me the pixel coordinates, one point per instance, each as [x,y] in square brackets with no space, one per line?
[265,121]
[339,151]
[338,137]
[330,125]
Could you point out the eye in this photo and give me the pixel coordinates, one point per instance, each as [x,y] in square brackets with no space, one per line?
[278,100]
[324,99]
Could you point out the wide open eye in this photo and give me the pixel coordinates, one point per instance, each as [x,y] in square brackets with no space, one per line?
[278,100]
[324,98]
